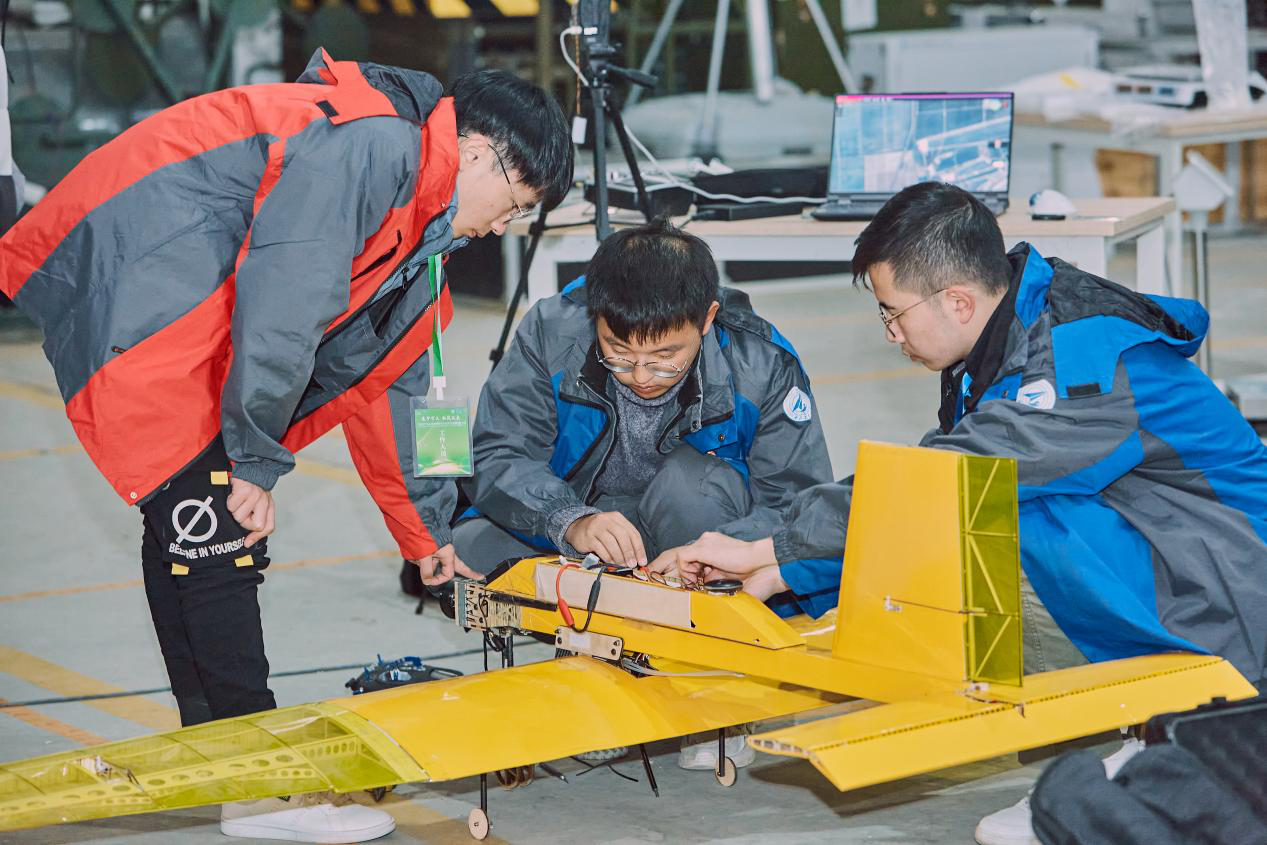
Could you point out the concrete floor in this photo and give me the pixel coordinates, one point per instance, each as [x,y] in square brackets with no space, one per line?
[73,618]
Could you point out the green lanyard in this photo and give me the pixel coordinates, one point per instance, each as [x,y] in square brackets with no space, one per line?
[435,276]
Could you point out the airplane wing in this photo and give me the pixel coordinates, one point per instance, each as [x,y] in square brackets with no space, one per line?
[911,737]
[426,732]
[928,625]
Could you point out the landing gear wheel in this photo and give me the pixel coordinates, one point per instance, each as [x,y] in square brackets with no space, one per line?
[378,793]
[728,774]
[477,823]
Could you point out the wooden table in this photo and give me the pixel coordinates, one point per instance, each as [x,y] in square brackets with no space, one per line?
[1085,240]
[1165,141]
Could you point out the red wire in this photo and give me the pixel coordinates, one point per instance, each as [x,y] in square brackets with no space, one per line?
[564,610]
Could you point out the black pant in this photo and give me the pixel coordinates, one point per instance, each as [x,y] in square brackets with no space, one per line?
[202,595]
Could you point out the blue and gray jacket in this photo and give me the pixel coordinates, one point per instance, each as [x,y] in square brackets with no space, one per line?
[546,420]
[1143,493]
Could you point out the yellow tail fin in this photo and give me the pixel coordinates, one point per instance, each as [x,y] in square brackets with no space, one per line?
[931,580]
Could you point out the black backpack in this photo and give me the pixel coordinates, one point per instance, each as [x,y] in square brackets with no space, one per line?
[1201,780]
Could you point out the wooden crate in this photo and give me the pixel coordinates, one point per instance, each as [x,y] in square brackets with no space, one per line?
[1128,174]
[1254,180]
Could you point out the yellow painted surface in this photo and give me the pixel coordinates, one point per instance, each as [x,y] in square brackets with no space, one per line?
[449,8]
[330,472]
[516,8]
[44,722]
[560,707]
[928,607]
[716,641]
[931,571]
[63,680]
[34,394]
[991,568]
[543,711]
[739,618]
[908,738]
[296,749]
[902,551]
[799,665]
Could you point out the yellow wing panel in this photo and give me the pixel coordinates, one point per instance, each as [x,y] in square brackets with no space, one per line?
[543,711]
[908,738]
[309,748]
[433,731]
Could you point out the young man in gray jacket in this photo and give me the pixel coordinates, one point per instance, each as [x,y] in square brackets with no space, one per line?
[633,411]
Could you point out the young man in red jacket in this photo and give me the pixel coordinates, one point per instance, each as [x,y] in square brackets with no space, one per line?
[231,278]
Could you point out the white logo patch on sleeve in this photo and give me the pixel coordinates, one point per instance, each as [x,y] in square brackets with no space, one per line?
[797,406]
[1037,394]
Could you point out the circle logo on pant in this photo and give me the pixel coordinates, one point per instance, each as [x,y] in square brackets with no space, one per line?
[184,533]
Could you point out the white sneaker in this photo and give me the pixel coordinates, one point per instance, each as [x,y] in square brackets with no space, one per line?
[1007,827]
[699,751]
[1115,761]
[321,817]
[1013,826]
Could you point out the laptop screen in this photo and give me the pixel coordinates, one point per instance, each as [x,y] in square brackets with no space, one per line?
[882,143]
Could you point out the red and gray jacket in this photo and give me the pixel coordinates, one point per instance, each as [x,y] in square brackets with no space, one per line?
[246,263]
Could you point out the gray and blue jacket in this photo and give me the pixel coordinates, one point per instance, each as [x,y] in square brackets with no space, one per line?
[1143,493]
[546,421]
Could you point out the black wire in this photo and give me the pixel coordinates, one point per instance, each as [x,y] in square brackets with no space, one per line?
[289,674]
[591,603]
[591,767]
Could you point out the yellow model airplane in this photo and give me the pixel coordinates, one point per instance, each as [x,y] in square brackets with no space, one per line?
[929,631]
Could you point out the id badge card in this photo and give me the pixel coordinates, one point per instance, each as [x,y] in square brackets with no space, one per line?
[442,437]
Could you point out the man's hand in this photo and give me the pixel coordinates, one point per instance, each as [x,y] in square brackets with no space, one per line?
[252,507]
[764,582]
[608,535]
[715,555]
[440,567]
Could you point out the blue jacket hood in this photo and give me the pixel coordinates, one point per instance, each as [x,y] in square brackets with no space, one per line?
[1093,320]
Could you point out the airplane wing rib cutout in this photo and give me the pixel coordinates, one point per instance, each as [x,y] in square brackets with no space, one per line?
[425,732]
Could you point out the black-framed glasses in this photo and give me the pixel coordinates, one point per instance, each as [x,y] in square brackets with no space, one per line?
[516,213]
[890,319]
[658,369]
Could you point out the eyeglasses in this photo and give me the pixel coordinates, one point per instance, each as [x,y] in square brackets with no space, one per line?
[516,213]
[659,369]
[889,319]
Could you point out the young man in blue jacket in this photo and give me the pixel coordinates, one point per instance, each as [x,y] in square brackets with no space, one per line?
[1143,493]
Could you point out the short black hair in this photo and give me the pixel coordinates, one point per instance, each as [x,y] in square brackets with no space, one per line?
[524,123]
[932,235]
[648,280]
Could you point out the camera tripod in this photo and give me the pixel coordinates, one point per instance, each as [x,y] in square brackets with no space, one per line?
[600,82]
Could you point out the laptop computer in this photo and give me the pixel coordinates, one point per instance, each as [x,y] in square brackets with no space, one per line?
[882,143]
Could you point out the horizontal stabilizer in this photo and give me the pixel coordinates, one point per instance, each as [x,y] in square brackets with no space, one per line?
[899,740]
